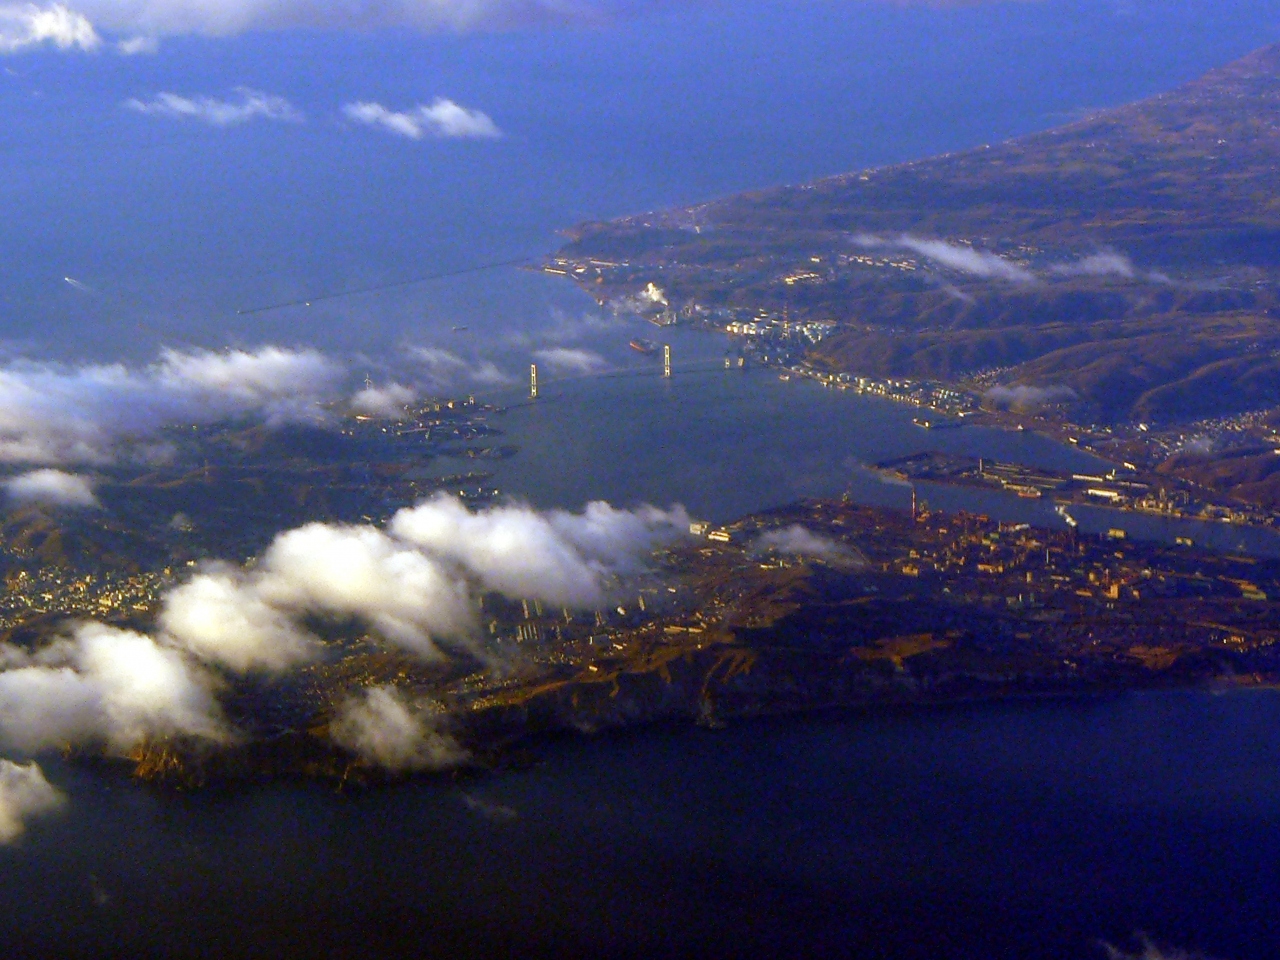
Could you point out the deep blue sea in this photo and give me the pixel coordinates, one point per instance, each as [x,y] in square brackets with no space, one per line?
[1028,831]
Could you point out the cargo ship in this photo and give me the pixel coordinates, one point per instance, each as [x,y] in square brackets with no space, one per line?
[929,423]
[643,346]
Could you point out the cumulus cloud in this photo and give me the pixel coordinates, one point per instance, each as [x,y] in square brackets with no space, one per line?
[103,685]
[24,793]
[385,728]
[443,372]
[1107,263]
[250,105]
[1022,397]
[220,616]
[567,360]
[442,118]
[414,584]
[27,25]
[254,619]
[799,541]
[53,414]
[52,487]
[557,557]
[613,538]
[954,256]
[387,402]
[404,594]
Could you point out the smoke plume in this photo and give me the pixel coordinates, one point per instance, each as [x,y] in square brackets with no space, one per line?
[1025,398]
[799,541]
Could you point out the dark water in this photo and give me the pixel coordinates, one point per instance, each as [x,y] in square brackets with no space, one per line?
[1019,830]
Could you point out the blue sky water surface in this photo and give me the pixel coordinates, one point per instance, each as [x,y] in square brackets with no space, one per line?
[172,224]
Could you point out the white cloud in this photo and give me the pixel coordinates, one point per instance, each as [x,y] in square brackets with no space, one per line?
[387,402]
[27,25]
[511,549]
[105,686]
[52,487]
[227,17]
[443,118]
[406,596]
[53,414]
[220,616]
[251,105]
[954,256]
[415,585]
[385,728]
[24,793]
[615,538]
[571,361]
[134,46]
[568,328]
[557,557]
[443,371]
[283,382]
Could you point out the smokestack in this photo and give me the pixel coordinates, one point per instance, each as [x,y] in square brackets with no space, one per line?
[666,360]
[533,381]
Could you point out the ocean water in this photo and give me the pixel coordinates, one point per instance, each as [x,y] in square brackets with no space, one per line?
[173,227]
[1022,830]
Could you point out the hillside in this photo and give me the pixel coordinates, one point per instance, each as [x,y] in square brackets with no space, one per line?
[1132,256]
